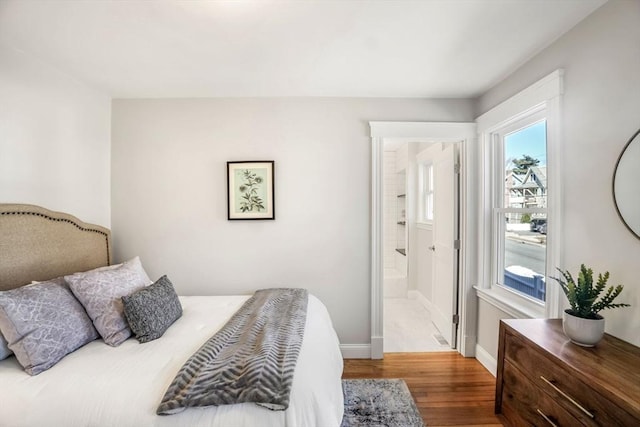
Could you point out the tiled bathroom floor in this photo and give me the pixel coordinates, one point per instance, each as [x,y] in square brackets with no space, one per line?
[408,327]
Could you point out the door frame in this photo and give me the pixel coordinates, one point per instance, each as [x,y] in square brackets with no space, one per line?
[464,132]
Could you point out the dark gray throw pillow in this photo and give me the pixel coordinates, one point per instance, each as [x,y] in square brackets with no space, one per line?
[151,310]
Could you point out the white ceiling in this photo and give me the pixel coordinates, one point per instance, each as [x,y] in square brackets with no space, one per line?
[368,48]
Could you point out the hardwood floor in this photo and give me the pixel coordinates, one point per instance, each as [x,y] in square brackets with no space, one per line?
[449,390]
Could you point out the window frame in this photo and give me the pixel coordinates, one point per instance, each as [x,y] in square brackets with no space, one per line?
[425,158]
[542,100]
[425,192]
[498,209]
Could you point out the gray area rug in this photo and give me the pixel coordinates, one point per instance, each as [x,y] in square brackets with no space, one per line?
[378,403]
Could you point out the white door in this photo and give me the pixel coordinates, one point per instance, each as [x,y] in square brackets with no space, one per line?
[445,234]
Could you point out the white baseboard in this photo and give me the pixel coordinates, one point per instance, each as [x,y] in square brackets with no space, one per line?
[355,351]
[486,360]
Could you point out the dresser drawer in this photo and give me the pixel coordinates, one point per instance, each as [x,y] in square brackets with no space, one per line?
[576,397]
[524,404]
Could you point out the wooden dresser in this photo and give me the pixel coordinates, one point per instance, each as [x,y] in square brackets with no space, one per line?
[543,379]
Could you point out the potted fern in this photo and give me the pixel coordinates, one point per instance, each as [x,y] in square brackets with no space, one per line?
[582,323]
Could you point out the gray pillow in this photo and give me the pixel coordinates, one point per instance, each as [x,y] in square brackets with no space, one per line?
[43,323]
[150,311]
[5,351]
[100,291]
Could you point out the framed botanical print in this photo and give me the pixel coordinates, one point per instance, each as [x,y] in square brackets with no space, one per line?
[250,190]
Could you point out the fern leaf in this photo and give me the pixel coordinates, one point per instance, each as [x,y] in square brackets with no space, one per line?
[602,282]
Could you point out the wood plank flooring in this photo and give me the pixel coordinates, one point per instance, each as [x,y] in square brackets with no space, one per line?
[449,390]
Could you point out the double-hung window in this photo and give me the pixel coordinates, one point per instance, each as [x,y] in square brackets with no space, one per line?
[521,200]
[425,192]
[519,211]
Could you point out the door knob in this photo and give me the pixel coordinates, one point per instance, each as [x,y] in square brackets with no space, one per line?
[432,248]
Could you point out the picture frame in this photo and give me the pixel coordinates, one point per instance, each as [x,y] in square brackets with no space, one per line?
[251,190]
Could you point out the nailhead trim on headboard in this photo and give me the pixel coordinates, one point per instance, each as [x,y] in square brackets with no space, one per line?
[93,230]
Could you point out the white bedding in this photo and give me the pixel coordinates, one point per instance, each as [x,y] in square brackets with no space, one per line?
[98,385]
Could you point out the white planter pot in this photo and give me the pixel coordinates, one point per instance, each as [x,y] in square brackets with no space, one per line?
[584,332]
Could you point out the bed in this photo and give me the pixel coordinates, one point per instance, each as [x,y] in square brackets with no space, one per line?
[123,385]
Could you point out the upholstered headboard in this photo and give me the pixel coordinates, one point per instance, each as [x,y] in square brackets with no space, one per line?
[39,244]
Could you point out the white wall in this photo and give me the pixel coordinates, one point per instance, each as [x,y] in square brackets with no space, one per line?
[601,59]
[54,139]
[402,204]
[169,193]
[390,215]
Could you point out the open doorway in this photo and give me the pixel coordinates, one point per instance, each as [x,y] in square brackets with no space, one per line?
[420,229]
[424,133]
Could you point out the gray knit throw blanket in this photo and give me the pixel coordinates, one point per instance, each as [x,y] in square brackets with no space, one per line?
[251,359]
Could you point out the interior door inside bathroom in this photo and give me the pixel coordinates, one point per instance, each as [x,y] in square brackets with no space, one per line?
[420,225]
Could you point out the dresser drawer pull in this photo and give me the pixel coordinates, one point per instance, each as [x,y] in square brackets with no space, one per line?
[547,419]
[569,398]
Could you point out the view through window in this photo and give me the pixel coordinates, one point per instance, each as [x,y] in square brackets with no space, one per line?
[426,192]
[522,211]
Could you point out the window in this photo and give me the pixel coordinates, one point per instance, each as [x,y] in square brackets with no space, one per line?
[520,201]
[520,207]
[425,176]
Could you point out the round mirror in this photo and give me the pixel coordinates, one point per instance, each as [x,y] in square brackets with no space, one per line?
[626,185]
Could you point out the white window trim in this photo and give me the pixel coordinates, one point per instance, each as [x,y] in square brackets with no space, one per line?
[425,157]
[544,95]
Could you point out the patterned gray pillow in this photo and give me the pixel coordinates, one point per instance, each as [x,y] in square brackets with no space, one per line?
[150,311]
[100,292]
[42,323]
[5,351]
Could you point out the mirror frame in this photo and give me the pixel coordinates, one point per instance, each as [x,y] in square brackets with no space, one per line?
[613,186]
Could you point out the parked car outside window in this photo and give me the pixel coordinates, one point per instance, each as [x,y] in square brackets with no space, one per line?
[543,228]
[535,223]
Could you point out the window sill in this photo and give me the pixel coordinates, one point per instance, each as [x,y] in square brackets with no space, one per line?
[512,304]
